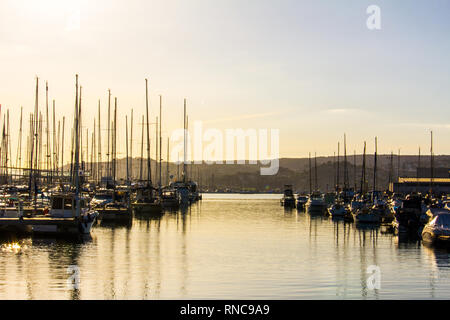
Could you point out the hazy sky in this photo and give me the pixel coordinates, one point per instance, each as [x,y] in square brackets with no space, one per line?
[310,68]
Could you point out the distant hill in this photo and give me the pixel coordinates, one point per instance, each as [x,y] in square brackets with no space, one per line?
[293,171]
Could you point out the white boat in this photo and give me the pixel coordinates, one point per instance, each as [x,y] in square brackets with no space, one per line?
[63,216]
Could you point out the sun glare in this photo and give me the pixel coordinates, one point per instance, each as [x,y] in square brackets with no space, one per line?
[11,247]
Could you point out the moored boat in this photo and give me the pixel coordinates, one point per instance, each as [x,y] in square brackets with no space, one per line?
[288,200]
[367,215]
[437,230]
[301,202]
[316,203]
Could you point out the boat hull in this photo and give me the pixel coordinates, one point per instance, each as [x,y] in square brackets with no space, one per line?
[154,207]
[48,225]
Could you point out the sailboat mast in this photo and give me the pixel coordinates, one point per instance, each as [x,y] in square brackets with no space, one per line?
[149,172]
[375,168]
[363,174]
[55,154]
[417,173]
[47,133]
[19,147]
[184,143]
[126,146]
[58,145]
[160,140]
[93,155]
[62,149]
[77,145]
[431,165]
[108,154]
[115,143]
[334,170]
[156,151]
[167,174]
[315,172]
[354,168]
[33,137]
[391,168]
[338,169]
[142,150]
[310,175]
[131,146]
[345,164]
[99,146]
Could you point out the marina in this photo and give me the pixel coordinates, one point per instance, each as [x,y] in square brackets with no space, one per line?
[85,205]
[203,151]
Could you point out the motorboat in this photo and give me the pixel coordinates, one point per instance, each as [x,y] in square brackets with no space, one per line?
[301,202]
[437,230]
[288,200]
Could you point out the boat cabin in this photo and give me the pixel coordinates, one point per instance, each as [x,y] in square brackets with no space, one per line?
[63,205]
[288,190]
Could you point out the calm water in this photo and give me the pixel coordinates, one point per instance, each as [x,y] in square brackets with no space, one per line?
[226,247]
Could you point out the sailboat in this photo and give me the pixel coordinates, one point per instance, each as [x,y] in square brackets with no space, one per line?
[316,203]
[147,200]
[69,213]
[339,209]
[370,213]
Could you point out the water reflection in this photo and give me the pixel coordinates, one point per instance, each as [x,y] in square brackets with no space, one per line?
[225,249]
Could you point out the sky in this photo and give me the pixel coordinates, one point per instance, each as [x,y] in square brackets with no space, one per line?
[311,69]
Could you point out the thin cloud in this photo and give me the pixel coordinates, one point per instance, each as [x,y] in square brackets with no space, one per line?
[425,125]
[245,117]
[344,110]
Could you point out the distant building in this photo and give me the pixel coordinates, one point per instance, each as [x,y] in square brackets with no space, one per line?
[422,185]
